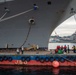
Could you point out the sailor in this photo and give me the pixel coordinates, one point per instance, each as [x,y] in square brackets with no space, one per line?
[58,47]
[56,51]
[61,47]
[35,7]
[74,49]
[18,51]
[68,49]
[72,10]
[22,49]
[37,47]
[65,48]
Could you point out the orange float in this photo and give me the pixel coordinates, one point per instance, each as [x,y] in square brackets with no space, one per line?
[55,64]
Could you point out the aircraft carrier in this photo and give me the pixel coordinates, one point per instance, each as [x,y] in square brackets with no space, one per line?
[24,22]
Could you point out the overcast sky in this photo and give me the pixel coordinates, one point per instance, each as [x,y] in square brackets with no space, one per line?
[66,28]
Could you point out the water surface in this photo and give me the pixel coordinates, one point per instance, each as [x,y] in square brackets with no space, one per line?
[21,70]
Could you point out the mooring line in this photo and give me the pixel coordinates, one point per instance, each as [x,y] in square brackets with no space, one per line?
[3,16]
[16,15]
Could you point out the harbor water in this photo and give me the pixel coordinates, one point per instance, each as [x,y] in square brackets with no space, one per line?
[23,70]
[18,70]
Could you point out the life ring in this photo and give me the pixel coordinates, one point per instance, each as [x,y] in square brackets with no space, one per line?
[62,59]
[37,58]
[10,59]
[56,58]
[5,58]
[23,59]
[72,58]
[75,58]
[41,59]
[51,59]
[1,58]
[28,59]
[46,59]
[67,57]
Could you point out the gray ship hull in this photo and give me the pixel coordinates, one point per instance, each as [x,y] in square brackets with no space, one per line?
[14,31]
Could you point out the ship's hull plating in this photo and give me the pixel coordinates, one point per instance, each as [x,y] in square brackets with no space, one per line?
[14,26]
[38,60]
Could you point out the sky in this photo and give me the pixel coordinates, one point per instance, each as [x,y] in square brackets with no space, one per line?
[67,28]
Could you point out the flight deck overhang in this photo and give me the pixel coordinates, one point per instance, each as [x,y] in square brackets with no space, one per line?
[14,23]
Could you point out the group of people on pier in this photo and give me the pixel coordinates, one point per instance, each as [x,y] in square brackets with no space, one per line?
[65,49]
